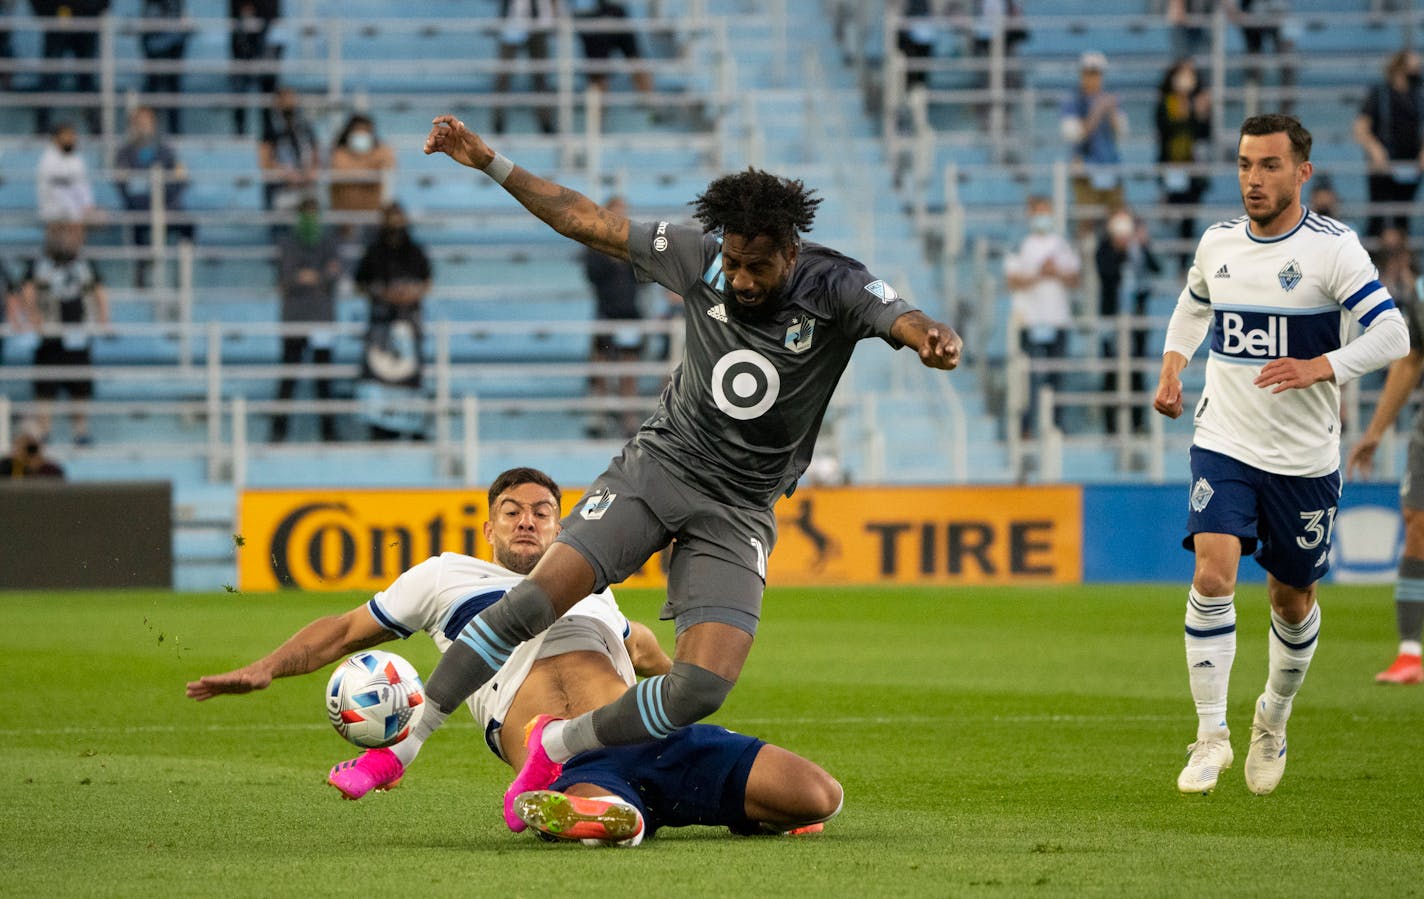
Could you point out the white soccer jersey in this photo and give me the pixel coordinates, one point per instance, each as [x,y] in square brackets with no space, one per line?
[442,594]
[1271,298]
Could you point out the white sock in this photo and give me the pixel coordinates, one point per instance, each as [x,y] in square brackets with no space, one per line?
[1291,648]
[430,720]
[1410,648]
[553,742]
[1211,648]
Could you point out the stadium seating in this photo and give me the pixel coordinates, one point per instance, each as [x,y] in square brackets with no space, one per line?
[902,176]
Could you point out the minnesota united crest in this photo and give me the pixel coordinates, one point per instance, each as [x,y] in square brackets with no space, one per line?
[1290,276]
[798,336]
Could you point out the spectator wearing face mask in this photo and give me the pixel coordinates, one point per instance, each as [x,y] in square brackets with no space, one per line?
[361,169]
[1388,128]
[309,267]
[134,163]
[288,153]
[1125,265]
[395,274]
[62,179]
[1040,274]
[1183,136]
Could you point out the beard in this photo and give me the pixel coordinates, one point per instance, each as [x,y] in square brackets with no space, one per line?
[1265,219]
[516,560]
[762,311]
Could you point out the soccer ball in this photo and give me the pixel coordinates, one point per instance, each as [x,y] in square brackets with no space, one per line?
[374,698]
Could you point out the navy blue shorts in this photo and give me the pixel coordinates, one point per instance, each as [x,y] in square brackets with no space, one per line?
[1286,520]
[696,776]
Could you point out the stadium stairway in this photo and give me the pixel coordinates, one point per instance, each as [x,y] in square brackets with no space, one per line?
[812,119]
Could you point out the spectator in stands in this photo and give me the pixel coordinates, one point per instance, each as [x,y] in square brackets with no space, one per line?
[916,39]
[1191,36]
[1040,273]
[7,50]
[309,268]
[528,25]
[395,274]
[141,153]
[165,47]
[251,48]
[1388,128]
[62,288]
[615,291]
[62,179]
[1183,140]
[1323,199]
[600,45]
[288,154]
[1125,265]
[361,169]
[10,300]
[27,458]
[1092,123]
[1398,269]
[81,41]
[1267,22]
[990,16]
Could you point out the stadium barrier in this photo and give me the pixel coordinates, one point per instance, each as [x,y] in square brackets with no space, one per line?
[59,535]
[827,536]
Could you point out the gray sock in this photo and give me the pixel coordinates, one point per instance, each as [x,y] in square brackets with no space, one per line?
[486,642]
[1409,599]
[651,710]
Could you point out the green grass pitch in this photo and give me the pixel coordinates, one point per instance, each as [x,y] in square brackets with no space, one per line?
[992,742]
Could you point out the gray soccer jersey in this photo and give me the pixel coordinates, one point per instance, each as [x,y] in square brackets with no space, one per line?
[740,416]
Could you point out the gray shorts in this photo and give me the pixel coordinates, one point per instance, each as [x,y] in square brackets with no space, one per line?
[575,633]
[1411,486]
[717,569]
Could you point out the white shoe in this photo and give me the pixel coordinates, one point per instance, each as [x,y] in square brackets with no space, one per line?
[1266,759]
[1206,759]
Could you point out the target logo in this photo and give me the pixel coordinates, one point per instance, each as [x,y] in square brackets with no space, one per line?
[745,384]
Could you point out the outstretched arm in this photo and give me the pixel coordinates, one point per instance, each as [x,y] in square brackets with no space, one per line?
[566,211]
[936,342]
[1403,377]
[320,643]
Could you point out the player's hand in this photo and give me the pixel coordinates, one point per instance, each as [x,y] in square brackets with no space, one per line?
[1362,457]
[1293,374]
[941,349]
[1168,400]
[449,135]
[243,680]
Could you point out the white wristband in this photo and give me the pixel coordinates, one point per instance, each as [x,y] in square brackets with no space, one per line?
[499,169]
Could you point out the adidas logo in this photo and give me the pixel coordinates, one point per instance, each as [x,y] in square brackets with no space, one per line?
[718,312]
[1204,663]
[1289,671]
[1223,273]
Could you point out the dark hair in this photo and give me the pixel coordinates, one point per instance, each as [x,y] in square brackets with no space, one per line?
[752,203]
[514,477]
[1278,123]
[356,121]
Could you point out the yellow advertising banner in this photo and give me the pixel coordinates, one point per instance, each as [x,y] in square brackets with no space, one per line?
[363,539]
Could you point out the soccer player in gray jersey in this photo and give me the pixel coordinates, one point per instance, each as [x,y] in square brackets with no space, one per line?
[1404,375]
[771,323]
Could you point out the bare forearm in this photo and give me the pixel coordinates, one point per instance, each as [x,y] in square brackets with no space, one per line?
[570,213]
[1398,384]
[319,643]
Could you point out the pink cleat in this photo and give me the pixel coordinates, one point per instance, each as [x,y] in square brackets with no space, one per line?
[1407,669]
[538,772]
[374,769]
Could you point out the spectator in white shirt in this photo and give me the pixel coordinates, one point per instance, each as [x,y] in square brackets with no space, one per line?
[62,180]
[1039,274]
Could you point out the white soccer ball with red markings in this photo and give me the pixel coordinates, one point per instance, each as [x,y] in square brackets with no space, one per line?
[374,698]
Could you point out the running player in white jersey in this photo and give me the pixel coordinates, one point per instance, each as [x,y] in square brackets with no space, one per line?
[700,775]
[1272,288]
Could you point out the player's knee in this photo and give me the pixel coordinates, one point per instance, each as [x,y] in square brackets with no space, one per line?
[1213,583]
[692,693]
[823,796]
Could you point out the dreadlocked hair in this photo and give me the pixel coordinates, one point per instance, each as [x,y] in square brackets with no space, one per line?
[755,203]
